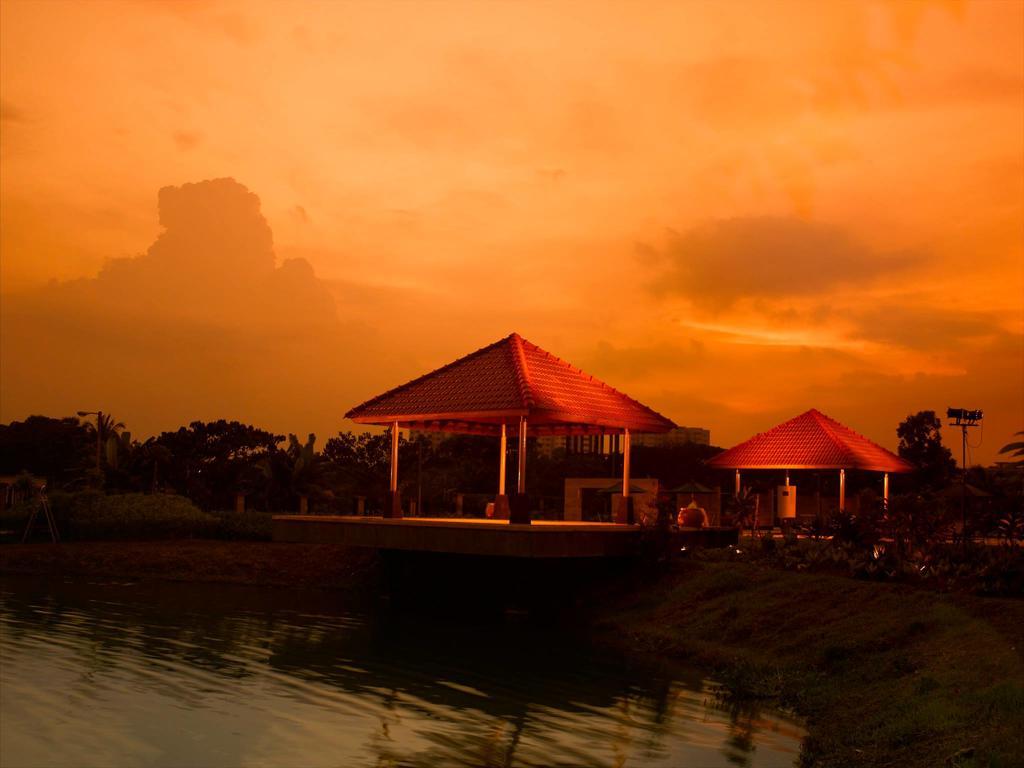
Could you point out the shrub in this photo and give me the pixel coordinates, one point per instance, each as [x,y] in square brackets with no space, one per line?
[248,525]
[94,515]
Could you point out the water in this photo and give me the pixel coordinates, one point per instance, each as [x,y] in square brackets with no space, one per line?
[193,675]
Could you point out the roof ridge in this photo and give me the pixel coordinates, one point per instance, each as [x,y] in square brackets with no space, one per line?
[857,434]
[594,379]
[828,424]
[418,379]
[521,368]
[807,441]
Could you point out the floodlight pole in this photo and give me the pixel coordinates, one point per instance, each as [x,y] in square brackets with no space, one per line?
[963,482]
[963,418]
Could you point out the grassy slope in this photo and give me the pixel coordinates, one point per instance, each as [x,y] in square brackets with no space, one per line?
[885,674]
[237,562]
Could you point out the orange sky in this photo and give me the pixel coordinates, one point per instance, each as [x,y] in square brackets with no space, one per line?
[732,211]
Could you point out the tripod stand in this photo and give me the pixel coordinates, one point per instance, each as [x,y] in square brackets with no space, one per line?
[44,507]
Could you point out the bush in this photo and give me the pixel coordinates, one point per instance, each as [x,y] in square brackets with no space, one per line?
[988,570]
[13,520]
[249,525]
[94,515]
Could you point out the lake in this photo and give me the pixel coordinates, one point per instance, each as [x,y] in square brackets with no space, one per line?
[202,675]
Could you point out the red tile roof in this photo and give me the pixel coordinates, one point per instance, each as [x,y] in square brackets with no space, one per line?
[810,441]
[500,383]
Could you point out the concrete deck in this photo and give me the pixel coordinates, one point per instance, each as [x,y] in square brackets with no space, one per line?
[464,536]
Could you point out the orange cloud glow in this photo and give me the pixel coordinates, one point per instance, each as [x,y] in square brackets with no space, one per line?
[732,211]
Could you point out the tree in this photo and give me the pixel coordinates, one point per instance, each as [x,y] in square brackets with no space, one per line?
[108,428]
[211,459]
[310,473]
[921,445]
[1015,449]
[359,464]
[58,449]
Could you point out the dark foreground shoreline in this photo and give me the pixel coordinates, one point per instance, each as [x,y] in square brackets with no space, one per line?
[254,563]
[885,675]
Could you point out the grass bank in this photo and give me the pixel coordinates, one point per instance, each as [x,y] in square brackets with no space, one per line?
[886,675]
[321,566]
[94,516]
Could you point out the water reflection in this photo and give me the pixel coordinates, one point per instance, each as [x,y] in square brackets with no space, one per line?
[195,675]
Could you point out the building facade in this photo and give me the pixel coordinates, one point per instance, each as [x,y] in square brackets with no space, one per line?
[606,445]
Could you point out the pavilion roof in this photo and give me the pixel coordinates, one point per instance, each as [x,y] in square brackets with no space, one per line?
[503,381]
[811,440]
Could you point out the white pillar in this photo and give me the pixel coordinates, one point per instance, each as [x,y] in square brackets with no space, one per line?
[625,464]
[885,491]
[738,486]
[787,477]
[842,490]
[521,484]
[394,457]
[501,461]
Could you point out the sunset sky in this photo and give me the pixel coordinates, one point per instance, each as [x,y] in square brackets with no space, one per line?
[732,211]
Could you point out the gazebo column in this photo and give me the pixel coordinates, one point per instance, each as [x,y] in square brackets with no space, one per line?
[885,491]
[519,507]
[501,508]
[624,514]
[842,490]
[393,502]
[738,487]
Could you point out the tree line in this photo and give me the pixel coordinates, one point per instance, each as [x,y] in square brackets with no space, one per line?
[211,463]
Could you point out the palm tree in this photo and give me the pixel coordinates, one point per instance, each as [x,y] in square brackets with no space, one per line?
[309,470]
[152,452]
[1015,449]
[103,430]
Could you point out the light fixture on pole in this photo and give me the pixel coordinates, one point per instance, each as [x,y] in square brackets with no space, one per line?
[964,418]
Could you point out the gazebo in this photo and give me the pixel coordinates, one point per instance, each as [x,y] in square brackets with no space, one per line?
[511,387]
[812,440]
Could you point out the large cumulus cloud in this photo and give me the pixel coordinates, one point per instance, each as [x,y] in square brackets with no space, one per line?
[204,324]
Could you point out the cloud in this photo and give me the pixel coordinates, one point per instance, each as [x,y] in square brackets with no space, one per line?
[214,262]
[924,327]
[204,324]
[10,113]
[720,262]
[187,139]
[738,390]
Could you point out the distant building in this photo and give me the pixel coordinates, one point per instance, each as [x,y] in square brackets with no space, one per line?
[612,444]
[433,438]
[551,446]
[677,436]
